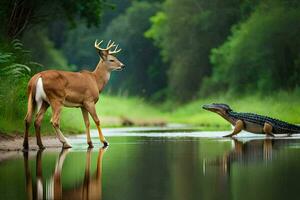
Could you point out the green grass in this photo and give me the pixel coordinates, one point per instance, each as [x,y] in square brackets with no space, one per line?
[110,109]
[283,105]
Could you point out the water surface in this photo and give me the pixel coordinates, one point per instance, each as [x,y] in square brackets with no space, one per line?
[158,164]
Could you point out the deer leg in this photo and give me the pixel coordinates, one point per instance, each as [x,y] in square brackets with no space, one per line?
[27,125]
[56,109]
[85,115]
[268,129]
[27,120]
[91,109]
[239,125]
[37,124]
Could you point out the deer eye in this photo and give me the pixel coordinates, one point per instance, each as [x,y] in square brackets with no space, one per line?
[111,61]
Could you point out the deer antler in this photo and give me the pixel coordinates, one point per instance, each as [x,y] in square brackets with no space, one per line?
[116,50]
[109,45]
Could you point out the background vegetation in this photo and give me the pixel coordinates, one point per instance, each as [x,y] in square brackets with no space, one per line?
[179,55]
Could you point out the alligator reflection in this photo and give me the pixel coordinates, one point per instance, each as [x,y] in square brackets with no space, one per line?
[249,152]
[91,187]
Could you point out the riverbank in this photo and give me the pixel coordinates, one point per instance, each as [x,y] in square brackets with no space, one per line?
[118,111]
[14,142]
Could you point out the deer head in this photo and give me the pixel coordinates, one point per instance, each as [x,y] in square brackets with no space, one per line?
[107,55]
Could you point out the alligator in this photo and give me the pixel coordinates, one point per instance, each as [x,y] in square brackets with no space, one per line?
[251,122]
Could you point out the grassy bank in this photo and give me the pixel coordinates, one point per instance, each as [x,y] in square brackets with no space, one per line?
[113,110]
[283,105]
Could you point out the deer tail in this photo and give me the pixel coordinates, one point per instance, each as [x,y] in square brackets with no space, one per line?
[31,90]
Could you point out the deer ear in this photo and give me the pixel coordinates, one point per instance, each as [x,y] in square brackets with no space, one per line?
[103,54]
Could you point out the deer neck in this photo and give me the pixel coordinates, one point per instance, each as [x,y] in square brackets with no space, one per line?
[102,75]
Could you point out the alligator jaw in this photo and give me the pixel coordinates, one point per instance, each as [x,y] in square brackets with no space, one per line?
[208,107]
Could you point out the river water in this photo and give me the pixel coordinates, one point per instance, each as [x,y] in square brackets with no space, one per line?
[158,163]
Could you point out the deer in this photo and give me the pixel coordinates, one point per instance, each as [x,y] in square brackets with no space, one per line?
[58,89]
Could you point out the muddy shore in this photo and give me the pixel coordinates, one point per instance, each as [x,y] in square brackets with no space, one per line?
[12,145]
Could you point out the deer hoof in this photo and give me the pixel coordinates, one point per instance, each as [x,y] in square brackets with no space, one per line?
[227,136]
[105,144]
[90,145]
[67,145]
[25,146]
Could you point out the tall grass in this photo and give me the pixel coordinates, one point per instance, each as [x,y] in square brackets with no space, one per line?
[15,69]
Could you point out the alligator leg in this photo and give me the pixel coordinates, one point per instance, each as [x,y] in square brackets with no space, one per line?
[239,125]
[268,129]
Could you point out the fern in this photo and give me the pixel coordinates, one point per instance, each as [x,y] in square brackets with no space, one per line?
[15,64]
[5,57]
[16,70]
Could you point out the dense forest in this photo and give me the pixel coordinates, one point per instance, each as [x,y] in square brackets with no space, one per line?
[174,50]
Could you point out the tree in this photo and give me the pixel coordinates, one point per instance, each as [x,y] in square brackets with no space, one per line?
[186,31]
[144,73]
[18,15]
[262,53]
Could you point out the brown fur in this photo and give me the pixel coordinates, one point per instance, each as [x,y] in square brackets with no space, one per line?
[70,89]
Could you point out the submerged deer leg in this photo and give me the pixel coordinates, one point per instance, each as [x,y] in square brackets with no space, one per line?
[39,175]
[239,125]
[56,184]
[99,171]
[90,107]
[85,115]
[56,109]
[28,177]
[268,129]
[86,181]
[37,124]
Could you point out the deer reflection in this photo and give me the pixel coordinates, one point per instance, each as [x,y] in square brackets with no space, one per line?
[91,188]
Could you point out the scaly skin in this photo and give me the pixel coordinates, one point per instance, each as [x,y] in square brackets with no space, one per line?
[252,122]
[279,127]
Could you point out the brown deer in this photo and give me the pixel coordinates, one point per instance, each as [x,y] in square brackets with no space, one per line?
[56,89]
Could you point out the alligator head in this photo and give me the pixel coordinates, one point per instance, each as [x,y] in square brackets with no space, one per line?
[220,108]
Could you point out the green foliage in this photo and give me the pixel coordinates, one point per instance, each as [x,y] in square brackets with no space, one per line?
[78,47]
[262,54]
[77,43]
[15,64]
[43,50]
[90,10]
[158,31]
[144,73]
[16,16]
[186,31]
